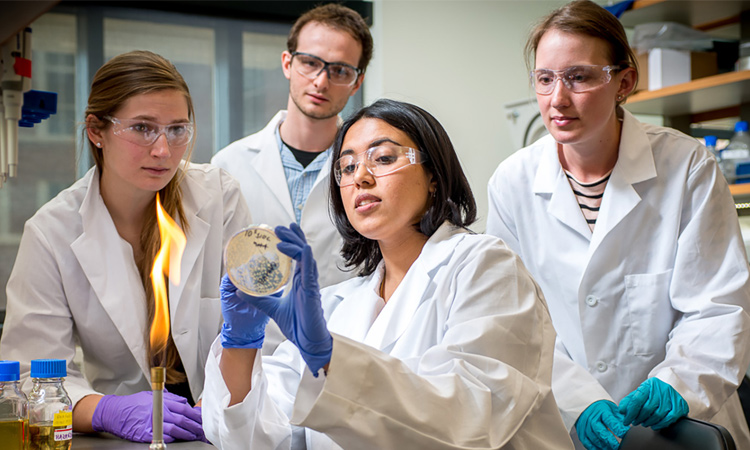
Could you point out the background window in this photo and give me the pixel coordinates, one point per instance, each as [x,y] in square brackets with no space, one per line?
[219,57]
[190,49]
[46,152]
[265,87]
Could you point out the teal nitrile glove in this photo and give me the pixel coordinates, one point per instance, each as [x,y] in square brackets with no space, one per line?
[299,314]
[598,425]
[244,325]
[654,404]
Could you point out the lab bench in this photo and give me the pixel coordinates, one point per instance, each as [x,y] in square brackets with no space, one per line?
[103,441]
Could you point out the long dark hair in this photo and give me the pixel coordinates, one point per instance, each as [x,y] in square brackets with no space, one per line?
[453,200]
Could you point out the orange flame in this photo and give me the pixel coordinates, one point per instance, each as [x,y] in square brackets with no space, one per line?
[172,240]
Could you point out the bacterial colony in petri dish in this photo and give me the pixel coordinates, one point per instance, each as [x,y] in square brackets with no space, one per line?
[253,262]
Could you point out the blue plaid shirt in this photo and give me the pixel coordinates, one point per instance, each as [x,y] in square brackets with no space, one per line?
[300,179]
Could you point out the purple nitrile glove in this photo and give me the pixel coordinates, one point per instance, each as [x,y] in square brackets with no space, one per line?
[129,417]
[299,314]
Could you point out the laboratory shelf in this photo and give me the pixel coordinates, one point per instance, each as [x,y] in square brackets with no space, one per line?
[702,15]
[740,189]
[704,94]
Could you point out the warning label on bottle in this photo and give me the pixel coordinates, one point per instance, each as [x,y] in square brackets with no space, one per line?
[63,419]
[64,434]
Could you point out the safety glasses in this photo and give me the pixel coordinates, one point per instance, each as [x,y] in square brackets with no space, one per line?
[311,66]
[379,161]
[145,133]
[576,78]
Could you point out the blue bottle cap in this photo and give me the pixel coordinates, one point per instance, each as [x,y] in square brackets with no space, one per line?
[10,370]
[48,368]
[710,141]
[740,126]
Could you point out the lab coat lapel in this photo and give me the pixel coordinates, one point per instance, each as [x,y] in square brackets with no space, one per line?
[107,262]
[359,308]
[194,197]
[551,181]
[397,313]
[182,310]
[403,304]
[635,163]
[269,166]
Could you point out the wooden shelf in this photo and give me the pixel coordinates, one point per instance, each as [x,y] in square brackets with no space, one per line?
[740,189]
[697,14]
[697,96]
[704,96]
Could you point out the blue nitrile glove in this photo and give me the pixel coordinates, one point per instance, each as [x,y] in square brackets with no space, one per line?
[654,404]
[598,425]
[129,417]
[244,325]
[299,314]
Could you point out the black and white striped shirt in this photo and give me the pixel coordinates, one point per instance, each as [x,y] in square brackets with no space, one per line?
[589,196]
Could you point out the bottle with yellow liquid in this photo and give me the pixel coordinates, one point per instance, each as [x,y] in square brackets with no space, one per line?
[14,416]
[50,408]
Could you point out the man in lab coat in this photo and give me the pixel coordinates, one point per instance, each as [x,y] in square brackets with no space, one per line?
[283,169]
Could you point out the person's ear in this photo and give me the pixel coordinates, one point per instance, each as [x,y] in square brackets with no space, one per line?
[286,64]
[357,84]
[433,185]
[628,79]
[94,129]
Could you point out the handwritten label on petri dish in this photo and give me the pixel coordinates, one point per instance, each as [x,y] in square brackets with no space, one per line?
[253,262]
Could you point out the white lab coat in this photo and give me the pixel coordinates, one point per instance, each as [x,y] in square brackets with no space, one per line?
[75,281]
[660,289]
[459,357]
[255,161]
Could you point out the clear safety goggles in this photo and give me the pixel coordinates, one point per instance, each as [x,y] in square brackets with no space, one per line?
[576,78]
[145,133]
[311,66]
[379,161]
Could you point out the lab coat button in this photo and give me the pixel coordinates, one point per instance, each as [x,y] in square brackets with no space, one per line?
[601,366]
[591,300]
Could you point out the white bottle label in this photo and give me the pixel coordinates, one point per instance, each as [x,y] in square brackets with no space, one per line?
[739,153]
[64,434]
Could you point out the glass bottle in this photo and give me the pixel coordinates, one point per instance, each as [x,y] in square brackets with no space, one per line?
[50,408]
[711,146]
[735,156]
[14,415]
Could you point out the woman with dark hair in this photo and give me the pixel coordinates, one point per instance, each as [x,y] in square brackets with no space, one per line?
[452,199]
[633,236]
[442,342]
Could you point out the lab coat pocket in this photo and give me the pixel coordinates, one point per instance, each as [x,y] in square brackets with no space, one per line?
[647,297]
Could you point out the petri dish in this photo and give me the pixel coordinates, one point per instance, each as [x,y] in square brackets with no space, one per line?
[253,262]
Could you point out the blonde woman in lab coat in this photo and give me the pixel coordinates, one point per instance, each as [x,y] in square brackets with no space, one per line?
[632,234]
[82,271]
[443,341]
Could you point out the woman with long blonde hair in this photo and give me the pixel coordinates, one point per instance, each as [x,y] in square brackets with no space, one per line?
[82,274]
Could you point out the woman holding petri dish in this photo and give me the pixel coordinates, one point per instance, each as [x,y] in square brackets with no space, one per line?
[443,341]
[633,236]
[82,274]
